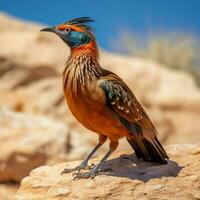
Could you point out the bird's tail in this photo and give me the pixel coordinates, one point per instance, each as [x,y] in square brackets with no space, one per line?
[148,149]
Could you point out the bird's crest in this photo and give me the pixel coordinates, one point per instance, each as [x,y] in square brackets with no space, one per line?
[82,22]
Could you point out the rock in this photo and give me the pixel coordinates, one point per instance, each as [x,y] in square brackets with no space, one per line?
[24,44]
[8,191]
[130,179]
[43,97]
[27,142]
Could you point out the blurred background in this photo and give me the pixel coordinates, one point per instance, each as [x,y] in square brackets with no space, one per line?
[153,45]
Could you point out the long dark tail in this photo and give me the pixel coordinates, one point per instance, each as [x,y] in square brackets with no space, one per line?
[148,150]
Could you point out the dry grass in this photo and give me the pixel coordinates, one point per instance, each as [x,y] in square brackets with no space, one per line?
[175,50]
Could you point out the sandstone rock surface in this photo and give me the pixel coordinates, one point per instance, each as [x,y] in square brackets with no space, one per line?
[8,191]
[130,179]
[26,142]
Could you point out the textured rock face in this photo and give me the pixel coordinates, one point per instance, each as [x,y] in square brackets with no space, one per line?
[27,47]
[27,142]
[130,179]
[8,191]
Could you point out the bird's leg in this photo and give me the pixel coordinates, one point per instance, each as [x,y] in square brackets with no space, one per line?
[84,163]
[95,170]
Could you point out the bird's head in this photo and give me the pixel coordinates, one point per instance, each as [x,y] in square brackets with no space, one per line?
[75,32]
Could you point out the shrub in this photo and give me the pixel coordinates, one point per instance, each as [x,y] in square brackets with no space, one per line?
[176,50]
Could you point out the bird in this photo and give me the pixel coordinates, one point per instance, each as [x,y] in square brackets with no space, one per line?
[101,101]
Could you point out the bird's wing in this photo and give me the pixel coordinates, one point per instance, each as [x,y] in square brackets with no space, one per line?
[122,101]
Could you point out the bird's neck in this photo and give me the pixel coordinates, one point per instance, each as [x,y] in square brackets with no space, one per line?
[82,66]
[87,49]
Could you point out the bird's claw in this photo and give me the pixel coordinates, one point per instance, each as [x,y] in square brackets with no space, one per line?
[78,175]
[91,174]
[78,168]
[66,170]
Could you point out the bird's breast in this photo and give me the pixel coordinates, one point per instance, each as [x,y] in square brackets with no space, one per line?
[88,106]
[85,101]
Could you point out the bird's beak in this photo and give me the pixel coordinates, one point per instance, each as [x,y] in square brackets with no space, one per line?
[56,31]
[49,29]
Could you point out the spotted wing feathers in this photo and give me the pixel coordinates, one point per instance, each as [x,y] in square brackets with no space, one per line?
[120,99]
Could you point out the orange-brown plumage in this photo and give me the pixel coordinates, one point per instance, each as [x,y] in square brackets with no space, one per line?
[84,96]
[101,101]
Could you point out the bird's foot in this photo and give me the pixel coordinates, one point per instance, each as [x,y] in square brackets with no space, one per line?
[78,168]
[92,173]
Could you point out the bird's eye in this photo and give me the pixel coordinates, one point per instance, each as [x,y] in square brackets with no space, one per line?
[67,29]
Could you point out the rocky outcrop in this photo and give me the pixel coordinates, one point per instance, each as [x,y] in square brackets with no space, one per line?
[27,142]
[130,179]
[8,191]
[22,46]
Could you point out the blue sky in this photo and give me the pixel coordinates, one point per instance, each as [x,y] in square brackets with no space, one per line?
[112,17]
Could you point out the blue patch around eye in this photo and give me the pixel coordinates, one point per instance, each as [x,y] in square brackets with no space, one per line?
[76,35]
[77,38]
